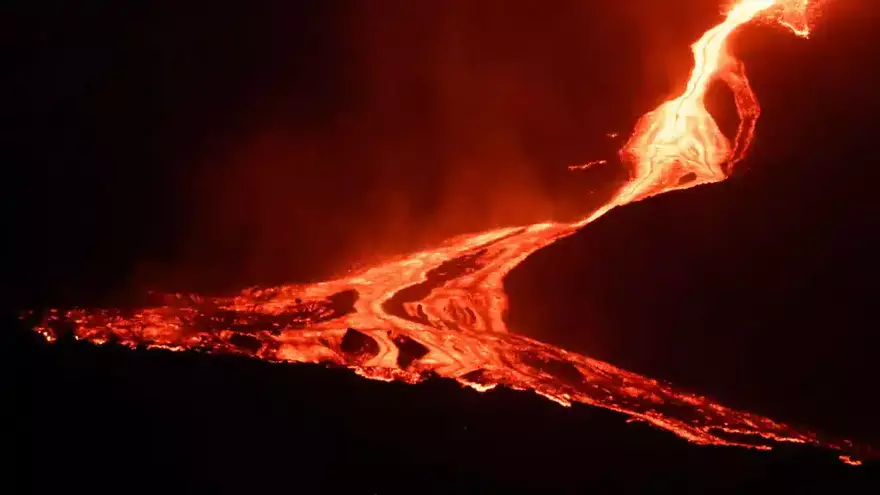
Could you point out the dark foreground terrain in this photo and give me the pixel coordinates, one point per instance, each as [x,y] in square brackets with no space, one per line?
[110,419]
[186,146]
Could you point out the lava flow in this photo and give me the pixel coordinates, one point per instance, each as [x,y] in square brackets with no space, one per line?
[441,311]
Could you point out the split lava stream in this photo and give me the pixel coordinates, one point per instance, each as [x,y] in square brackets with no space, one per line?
[441,311]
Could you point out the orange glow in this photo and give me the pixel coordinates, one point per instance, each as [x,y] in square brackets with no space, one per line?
[442,310]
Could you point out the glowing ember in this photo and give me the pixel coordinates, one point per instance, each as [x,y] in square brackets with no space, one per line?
[442,310]
[587,165]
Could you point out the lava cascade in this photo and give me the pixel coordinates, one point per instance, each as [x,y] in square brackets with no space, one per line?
[441,311]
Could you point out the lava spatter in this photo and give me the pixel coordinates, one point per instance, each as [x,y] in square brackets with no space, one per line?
[442,310]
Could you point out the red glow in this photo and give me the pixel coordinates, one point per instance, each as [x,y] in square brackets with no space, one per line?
[442,310]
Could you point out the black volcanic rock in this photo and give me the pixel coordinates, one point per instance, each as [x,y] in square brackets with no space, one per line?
[562,370]
[246,342]
[745,291]
[359,344]
[408,350]
[193,422]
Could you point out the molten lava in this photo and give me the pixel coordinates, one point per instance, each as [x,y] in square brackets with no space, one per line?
[442,310]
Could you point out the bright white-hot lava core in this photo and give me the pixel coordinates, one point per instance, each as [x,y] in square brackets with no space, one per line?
[442,310]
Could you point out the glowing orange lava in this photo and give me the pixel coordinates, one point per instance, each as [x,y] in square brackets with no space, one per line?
[442,310]
[584,166]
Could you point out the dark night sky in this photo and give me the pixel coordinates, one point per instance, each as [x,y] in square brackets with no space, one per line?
[287,140]
[207,146]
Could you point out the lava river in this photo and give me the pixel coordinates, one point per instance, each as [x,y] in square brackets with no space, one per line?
[441,311]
